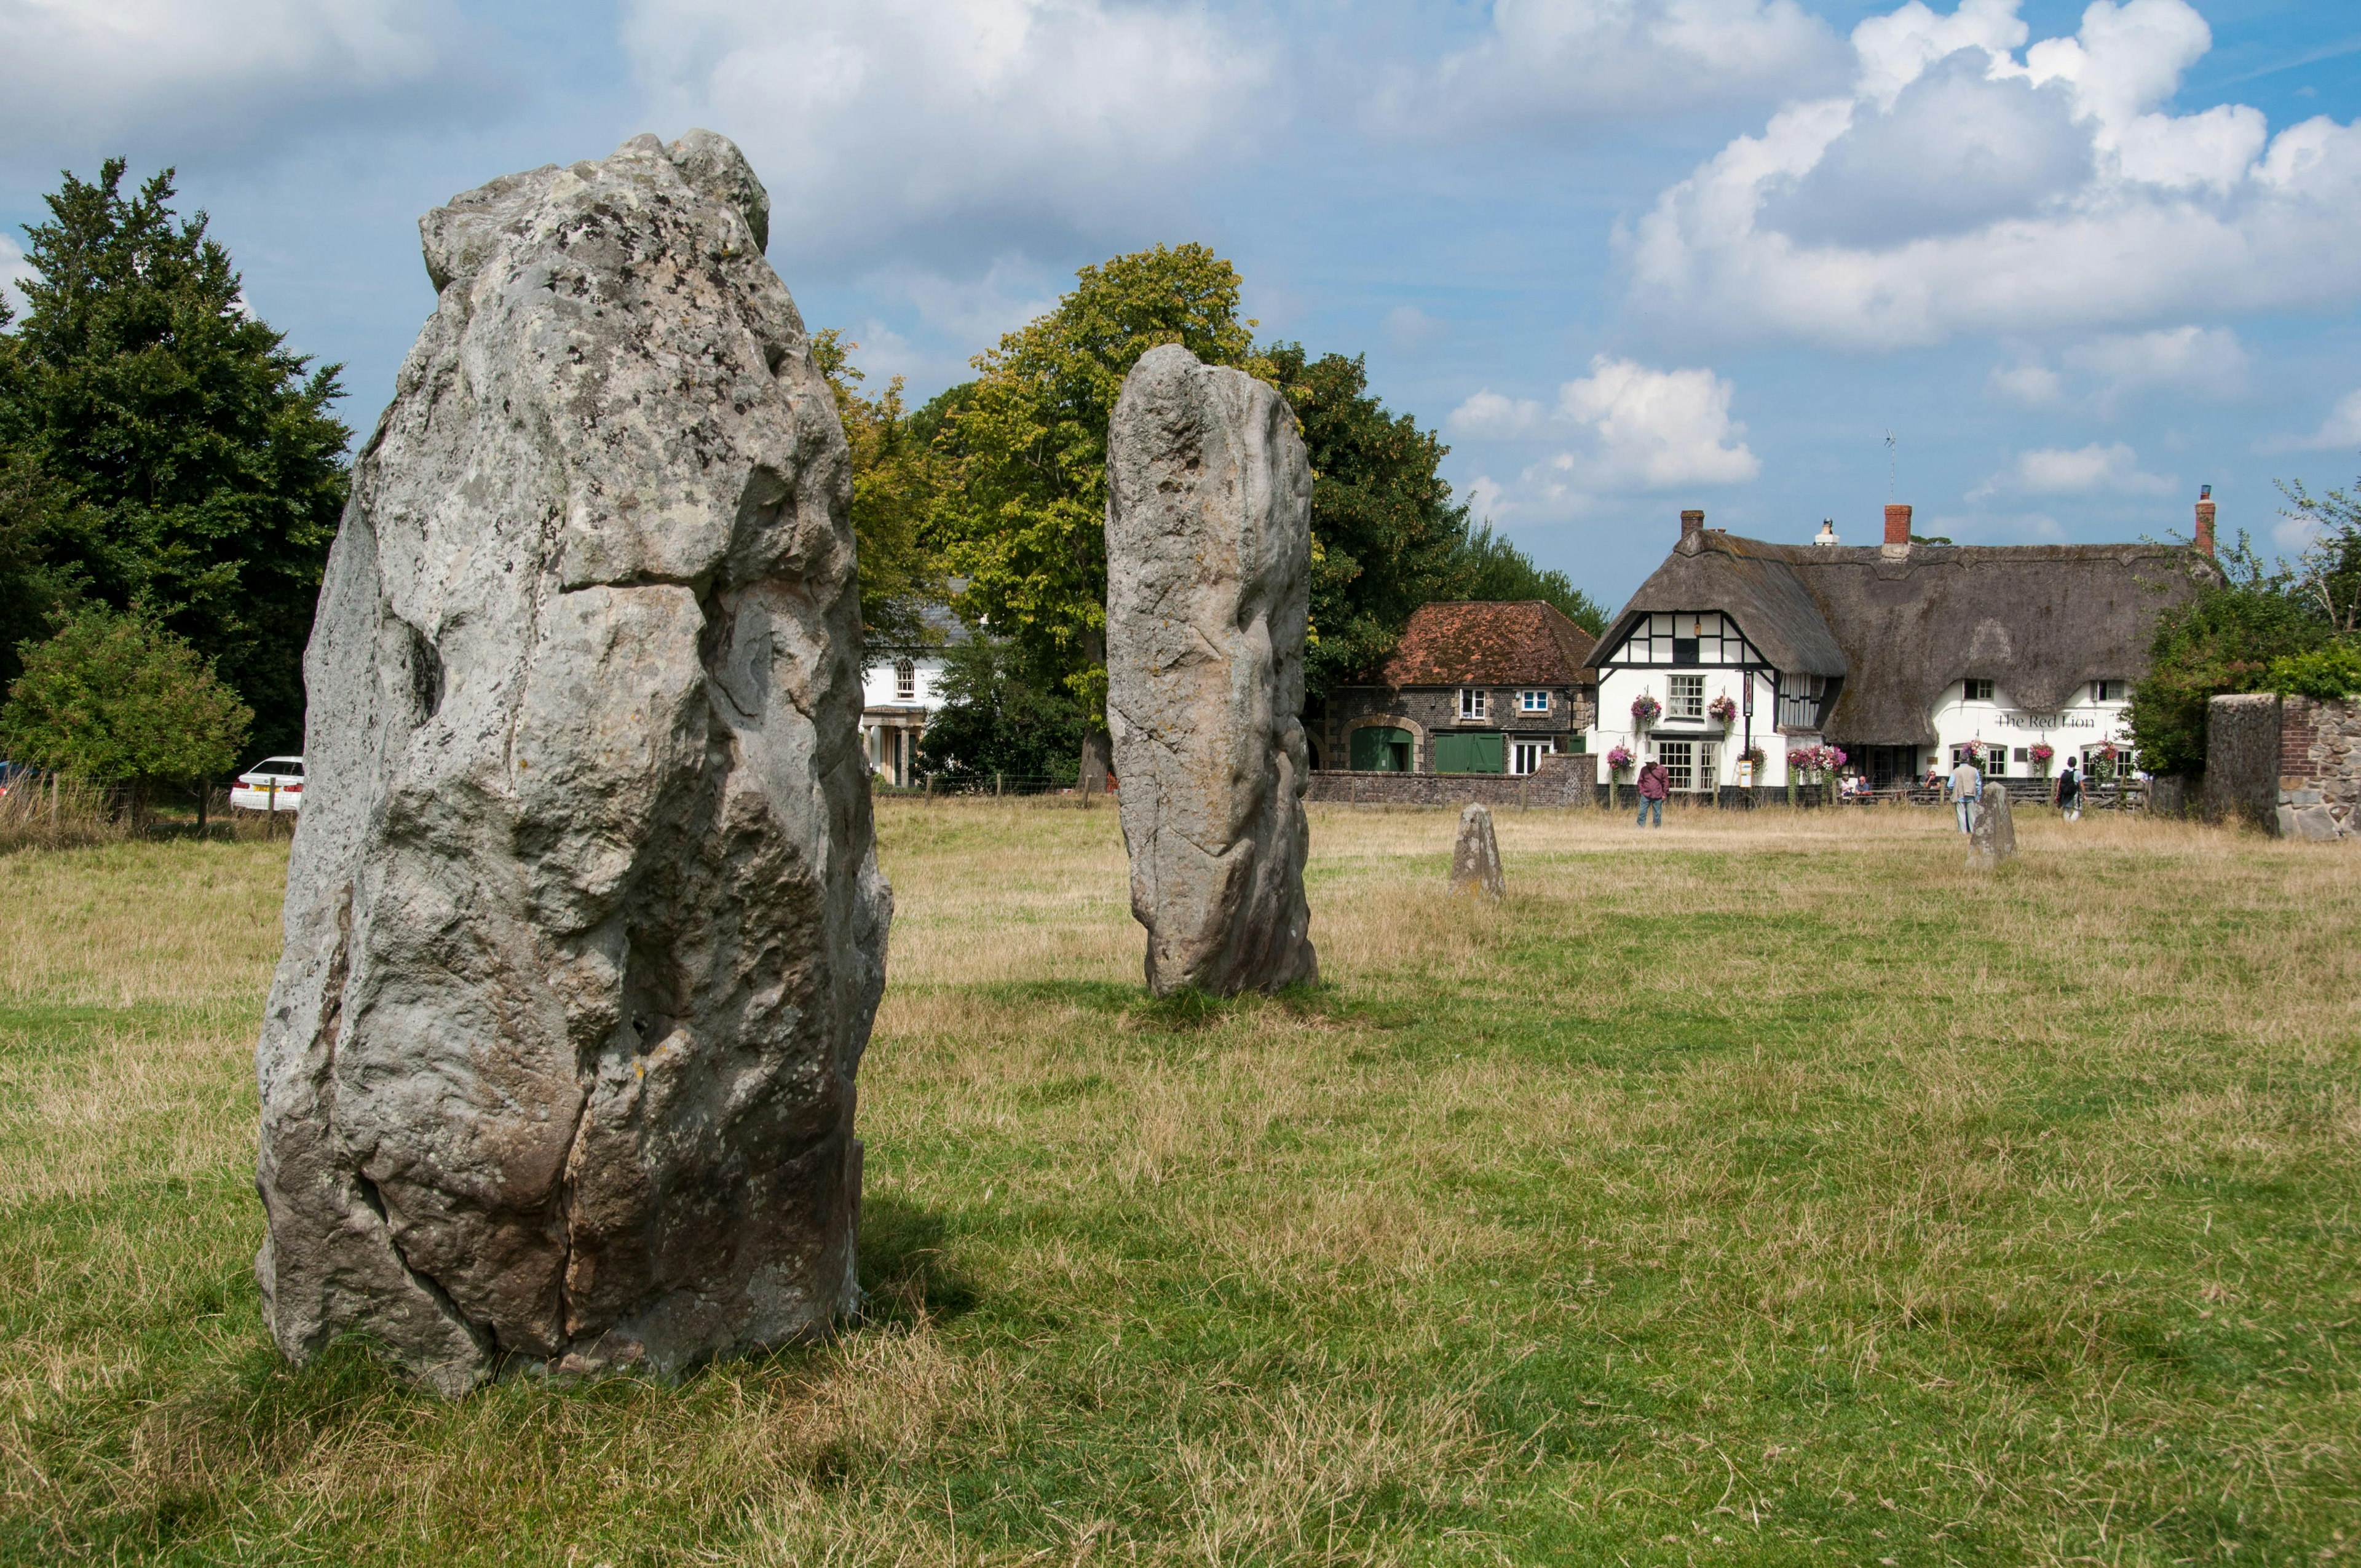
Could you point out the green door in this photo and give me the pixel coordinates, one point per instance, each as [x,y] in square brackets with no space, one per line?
[1377,749]
[1471,753]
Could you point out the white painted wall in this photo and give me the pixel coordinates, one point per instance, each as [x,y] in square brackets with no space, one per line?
[1617,689]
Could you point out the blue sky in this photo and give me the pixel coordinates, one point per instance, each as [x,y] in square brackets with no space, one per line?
[1630,254]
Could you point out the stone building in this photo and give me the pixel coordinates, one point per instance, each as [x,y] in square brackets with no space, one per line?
[2290,764]
[1906,655]
[1471,688]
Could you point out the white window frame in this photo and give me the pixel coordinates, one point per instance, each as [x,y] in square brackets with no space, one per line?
[905,680]
[2101,691]
[1975,690]
[1474,703]
[1524,756]
[1532,702]
[1684,697]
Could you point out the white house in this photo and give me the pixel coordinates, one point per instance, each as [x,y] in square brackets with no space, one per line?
[1904,655]
[899,692]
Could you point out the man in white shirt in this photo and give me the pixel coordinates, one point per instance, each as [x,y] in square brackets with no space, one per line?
[1966,786]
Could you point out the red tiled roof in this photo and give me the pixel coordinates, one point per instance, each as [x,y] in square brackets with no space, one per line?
[1531,643]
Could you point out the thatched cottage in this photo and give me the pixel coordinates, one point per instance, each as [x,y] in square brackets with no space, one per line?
[1905,655]
[1471,688]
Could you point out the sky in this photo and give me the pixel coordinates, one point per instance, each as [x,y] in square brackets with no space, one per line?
[2038,269]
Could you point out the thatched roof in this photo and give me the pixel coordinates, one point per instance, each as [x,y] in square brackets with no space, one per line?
[1479,643]
[1901,624]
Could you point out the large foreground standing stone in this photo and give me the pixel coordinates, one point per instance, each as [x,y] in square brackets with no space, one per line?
[1208,555]
[584,927]
[1993,839]
[1476,855]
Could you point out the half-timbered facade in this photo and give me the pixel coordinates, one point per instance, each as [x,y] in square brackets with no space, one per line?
[1905,655]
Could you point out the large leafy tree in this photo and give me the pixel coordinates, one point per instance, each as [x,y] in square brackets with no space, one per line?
[2224,639]
[995,721]
[1386,534]
[168,449]
[120,700]
[1023,525]
[896,480]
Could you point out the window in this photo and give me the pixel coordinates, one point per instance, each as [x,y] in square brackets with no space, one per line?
[1799,701]
[1472,703]
[905,680]
[1532,702]
[1686,697]
[2107,691]
[1679,758]
[1526,755]
[1980,691]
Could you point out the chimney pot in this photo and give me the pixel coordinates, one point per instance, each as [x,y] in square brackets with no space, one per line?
[2205,520]
[1692,522]
[1897,523]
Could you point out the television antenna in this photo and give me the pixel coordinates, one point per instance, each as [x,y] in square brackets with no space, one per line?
[1889,465]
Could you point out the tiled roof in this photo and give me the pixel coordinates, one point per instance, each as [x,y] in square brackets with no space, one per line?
[1531,643]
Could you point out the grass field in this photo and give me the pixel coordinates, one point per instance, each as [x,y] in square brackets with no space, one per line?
[1768,1190]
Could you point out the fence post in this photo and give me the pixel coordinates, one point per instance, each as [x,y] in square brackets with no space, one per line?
[997,780]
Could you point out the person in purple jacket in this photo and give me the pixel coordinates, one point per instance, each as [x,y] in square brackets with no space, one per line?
[1654,785]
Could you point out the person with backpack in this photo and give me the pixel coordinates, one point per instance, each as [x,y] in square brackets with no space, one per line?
[2069,793]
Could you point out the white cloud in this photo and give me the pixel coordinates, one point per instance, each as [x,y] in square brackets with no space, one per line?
[74,73]
[1561,61]
[1959,188]
[1646,430]
[898,125]
[1658,429]
[1488,415]
[2029,382]
[2340,431]
[2209,360]
[13,271]
[2080,471]
[1410,329]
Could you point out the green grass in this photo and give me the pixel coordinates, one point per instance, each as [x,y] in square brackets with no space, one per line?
[1769,1190]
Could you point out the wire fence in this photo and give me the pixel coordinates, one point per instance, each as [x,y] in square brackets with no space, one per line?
[970,783]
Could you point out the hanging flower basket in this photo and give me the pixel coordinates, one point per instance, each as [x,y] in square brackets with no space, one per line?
[1645,710]
[1724,709]
[1619,760]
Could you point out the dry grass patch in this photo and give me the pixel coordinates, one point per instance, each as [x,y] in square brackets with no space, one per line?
[1765,1189]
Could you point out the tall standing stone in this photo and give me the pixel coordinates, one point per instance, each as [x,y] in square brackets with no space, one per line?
[584,927]
[1991,836]
[1208,555]
[1476,855]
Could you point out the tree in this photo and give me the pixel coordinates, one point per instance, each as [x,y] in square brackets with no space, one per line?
[119,699]
[1025,524]
[896,479]
[1386,535]
[2224,640]
[996,720]
[188,460]
[1489,568]
[2328,573]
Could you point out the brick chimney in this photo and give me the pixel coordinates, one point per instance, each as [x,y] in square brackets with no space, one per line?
[1692,523]
[1897,523]
[2206,519]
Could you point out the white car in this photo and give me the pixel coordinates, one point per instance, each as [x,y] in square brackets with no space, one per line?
[253,791]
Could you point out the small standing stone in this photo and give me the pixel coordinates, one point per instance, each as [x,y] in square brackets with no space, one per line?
[1209,558]
[1993,837]
[1476,859]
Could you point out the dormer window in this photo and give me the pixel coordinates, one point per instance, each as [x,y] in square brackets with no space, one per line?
[2109,691]
[905,680]
[1979,691]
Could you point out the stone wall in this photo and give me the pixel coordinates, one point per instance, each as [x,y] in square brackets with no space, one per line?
[2264,752]
[1432,710]
[2241,758]
[1559,781]
[2320,757]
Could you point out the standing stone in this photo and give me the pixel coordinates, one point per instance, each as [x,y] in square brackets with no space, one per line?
[584,927]
[1476,858]
[1208,555]
[1993,839]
